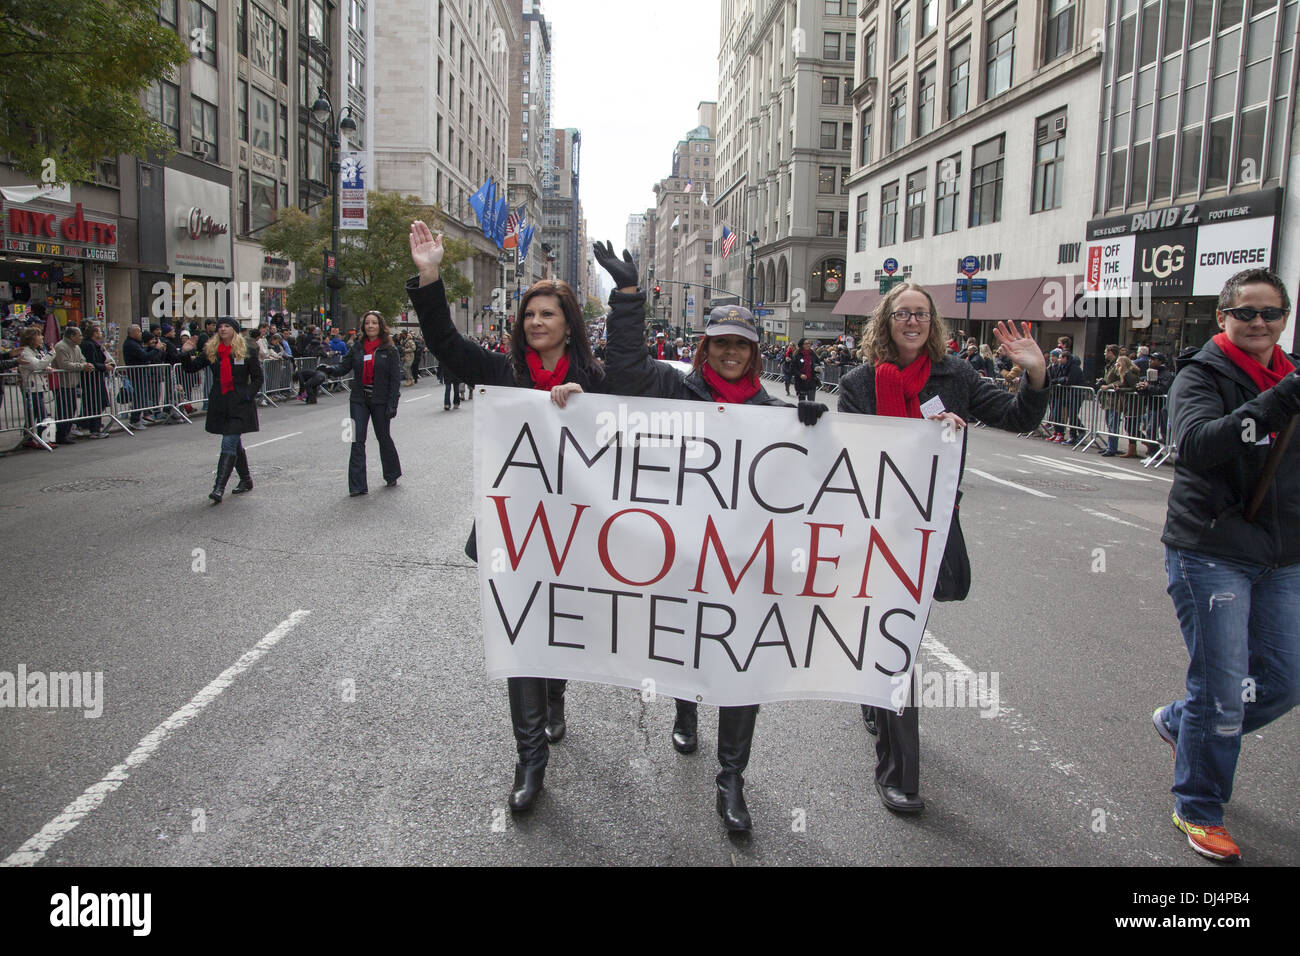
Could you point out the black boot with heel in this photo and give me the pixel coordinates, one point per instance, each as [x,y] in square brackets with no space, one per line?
[225,465]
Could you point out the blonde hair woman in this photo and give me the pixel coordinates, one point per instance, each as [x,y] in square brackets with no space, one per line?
[232,405]
[905,365]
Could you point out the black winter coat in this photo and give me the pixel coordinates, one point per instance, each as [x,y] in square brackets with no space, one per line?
[1211,406]
[134,352]
[467,361]
[387,387]
[234,413]
[956,383]
[633,372]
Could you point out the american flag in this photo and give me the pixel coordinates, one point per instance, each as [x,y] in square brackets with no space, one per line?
[728,240]
[689,184]
[512,229]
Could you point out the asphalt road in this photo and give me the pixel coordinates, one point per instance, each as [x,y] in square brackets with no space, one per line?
[364,731]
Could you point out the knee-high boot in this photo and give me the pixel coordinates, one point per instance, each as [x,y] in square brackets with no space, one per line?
[735,735]
[898,757]
[528,717]
[245,476]
[685,739]
[225,464]
[555,725]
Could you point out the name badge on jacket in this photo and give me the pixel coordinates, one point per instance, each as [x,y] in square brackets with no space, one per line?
[368,358]
[235,361]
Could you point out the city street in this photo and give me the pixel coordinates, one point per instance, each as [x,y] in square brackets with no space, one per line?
[363,730]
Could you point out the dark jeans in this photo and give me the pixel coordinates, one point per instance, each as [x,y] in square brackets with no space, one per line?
[450,387]
[362,413]
[94,398]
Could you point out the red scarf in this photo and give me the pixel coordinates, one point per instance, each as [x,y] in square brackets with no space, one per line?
[369,347]
[1263,377]
[225,370]
[805,364]
[897,390]
[659,350]
[541,377]
[730,393]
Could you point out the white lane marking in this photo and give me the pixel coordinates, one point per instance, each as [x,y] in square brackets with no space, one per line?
[420,399]
[269,440]
[34,850]
[1018,722]
[1118,474]
[1102,514]
[1024,472]
[1009,484]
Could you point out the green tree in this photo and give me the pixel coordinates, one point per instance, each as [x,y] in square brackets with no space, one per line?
[71,75]
[374,263]
[593,309]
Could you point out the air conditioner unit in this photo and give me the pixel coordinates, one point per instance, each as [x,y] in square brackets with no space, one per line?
[199,148]
[1060,124]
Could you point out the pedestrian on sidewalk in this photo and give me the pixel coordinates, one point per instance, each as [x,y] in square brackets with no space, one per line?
[34,362]
[550,351]
[69,363]
[94,381]
[232,407]
[905,365]
[725,369]
[1235,582]
[376,368]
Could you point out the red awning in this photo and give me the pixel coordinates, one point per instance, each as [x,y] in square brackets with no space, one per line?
[857,302]
[1007,299]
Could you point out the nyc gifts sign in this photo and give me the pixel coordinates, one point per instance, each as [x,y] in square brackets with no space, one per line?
[719,553]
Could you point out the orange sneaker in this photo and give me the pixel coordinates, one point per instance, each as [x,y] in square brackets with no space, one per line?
[1212,842]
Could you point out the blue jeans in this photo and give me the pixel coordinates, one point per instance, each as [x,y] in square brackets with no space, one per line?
[1113,423]
[230,444]
[1239,623]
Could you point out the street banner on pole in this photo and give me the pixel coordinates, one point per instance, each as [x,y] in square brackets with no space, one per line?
[353,175]
[719,553]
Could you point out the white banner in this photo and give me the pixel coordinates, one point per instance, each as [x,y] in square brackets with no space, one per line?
[353,176]
[730,556]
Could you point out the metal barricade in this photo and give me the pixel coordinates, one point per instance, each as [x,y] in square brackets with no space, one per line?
[12,412]
[1133,416]
[277,379]
[192,388]
[143,395]
[831,375]
[1072,412]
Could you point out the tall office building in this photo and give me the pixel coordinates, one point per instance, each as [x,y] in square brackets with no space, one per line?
[785,76]
[440,119]
[530,131]
[562,232]
[974,135]
[684,221]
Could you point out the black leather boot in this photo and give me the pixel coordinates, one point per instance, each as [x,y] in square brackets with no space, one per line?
[245,476]
[735,735]
[869,719]
[528,716]
[225,464]
[685,740]
[555,726]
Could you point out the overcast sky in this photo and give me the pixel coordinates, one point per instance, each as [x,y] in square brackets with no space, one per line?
[630,76]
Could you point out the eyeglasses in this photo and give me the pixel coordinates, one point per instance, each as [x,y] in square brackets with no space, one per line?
[1247,313]
[902,315]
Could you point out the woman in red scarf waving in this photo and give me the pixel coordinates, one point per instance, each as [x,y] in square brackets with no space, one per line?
[725,368]
[376,368]
[549,350]
[232,406]
[1234,578]
[907,372]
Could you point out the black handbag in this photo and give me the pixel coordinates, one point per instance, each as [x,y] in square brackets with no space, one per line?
[953,583]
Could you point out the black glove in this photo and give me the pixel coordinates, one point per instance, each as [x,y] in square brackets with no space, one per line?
[622,271]
[392,413]
[810,412]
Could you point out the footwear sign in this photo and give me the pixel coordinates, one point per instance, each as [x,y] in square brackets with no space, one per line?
[726,553]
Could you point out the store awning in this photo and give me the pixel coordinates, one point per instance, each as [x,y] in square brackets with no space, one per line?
[857,302]
[1007,299]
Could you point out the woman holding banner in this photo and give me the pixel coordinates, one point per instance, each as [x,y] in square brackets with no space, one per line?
[724,368]
[908,373]
[550,351]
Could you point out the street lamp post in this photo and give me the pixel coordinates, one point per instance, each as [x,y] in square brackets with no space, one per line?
[323,111]
[752,244]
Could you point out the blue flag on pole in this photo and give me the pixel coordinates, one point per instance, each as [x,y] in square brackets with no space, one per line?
[525,241]
[488,207]
[479,200]
[499,215]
